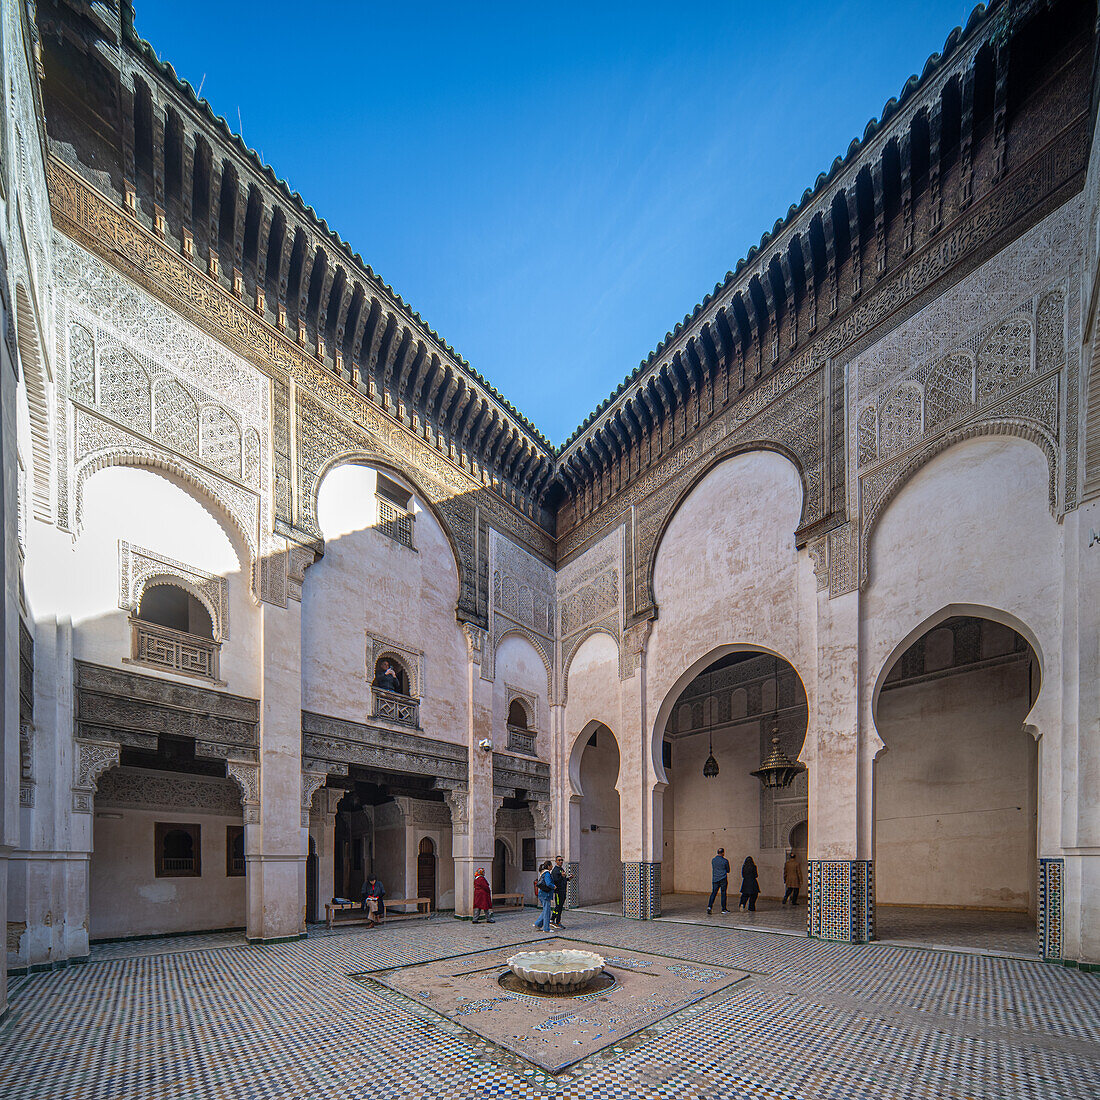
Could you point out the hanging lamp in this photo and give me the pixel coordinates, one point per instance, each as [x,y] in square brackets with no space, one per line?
[710,768]
[778,769]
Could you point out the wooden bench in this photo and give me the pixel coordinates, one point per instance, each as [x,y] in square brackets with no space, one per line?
[331,909]
[516,900]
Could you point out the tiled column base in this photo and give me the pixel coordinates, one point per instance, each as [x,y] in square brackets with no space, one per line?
[573,870]
[641,890]
[1051,905]
[841,902]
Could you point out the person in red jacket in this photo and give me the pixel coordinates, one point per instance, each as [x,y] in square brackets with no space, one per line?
[483,898]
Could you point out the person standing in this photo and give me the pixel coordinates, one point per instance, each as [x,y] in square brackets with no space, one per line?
[544,889]
[483,898]
[792,878]
[750,884]
[561,879]
[719,879]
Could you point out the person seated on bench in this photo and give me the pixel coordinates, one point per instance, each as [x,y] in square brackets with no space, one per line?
[373,905]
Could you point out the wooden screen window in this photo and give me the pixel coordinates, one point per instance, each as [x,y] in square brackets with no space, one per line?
[528,853]
[178,850]
[234,851]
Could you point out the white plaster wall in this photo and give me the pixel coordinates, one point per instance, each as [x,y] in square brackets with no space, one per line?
[601,860]
[727,574]
[720,812]
[955,792]
[80,577]
[594,688]
[127,899]
[367,583]
[972,533]
[520,665]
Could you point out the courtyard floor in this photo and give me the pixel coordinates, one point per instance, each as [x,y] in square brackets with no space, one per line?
[983,931]
[210,1017]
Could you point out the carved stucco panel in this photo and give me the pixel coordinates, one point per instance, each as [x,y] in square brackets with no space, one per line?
[137,567]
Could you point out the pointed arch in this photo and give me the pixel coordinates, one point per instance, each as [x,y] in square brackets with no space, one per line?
[432,503]
[241,533]
[653,549]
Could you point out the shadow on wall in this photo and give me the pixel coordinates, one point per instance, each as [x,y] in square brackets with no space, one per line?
[158,583]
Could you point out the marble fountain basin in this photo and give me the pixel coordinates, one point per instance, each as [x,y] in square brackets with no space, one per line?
[556,970]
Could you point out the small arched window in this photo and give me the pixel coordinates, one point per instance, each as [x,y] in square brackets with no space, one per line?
[390,675]
[171,606]
[178,850]
[173,630]
[517,715]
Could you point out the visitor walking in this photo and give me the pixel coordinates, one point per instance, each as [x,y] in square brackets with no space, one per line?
[561,879]
[483,898]
[544,890]
[750,884]
[373,893]
[792,879]
[719,879]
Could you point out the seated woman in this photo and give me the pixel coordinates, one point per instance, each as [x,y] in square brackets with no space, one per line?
[375,907]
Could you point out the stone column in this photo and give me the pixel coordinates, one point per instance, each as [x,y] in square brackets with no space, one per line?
[1069,848]
[273,844]
[641,792]
[48,873]
[10,563]
[474,815]
[321,825]
[841,744]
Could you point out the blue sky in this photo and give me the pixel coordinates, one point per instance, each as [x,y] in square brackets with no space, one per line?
[552,187]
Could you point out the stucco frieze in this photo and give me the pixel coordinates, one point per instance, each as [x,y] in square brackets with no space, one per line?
[140,788]
[343,742]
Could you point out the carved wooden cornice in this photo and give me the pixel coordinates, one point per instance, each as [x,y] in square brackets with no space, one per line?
[89,218]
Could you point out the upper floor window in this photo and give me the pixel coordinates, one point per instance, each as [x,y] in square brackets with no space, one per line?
[178,850]
[390,689]
[521,738]
[395,511]
[171,629]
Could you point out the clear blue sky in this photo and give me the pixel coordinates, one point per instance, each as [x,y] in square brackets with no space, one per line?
[551,186]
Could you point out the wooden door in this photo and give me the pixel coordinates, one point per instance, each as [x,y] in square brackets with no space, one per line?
[425,872]
[500,862]
[311,882]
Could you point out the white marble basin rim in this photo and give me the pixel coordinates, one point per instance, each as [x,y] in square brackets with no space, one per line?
[566,969]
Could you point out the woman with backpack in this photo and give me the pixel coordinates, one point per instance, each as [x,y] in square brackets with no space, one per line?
[544,891]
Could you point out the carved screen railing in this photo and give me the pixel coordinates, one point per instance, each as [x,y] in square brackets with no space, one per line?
[396,708]
[520,740]
[174,650]
[395,522]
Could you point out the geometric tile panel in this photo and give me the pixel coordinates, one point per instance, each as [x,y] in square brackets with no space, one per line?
[641,890]
[632,891]
[841,903]
[1051,906]
[573,870]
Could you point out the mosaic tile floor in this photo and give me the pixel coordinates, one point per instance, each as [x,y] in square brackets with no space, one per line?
[813,1019]
[972,930]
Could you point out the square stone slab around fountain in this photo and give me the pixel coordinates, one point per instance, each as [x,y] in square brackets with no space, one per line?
[620,1010]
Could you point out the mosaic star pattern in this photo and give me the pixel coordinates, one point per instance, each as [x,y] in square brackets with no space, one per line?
[162,1020]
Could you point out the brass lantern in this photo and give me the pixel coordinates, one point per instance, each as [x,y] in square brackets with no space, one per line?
[778,769]
[710,768]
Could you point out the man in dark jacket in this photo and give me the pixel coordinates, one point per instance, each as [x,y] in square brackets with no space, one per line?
[719,877]
[561,879]
[373,893]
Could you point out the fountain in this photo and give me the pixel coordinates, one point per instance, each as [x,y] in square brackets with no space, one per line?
[556,972]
